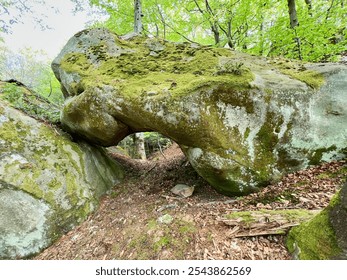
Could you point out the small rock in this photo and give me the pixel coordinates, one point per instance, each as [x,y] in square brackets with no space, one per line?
[153,53]
[165,219]
[162,208]
[183,190]
[155,46]
[151,93]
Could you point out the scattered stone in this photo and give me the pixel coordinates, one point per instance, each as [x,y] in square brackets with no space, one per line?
[183,190]
[165,219]
[168,206]
[154,54]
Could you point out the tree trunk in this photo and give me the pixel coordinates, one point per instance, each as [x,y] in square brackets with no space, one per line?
[309,4]
[215,30]
[229,36]
[162,19]
[213,23]
[292,14]
[139,141]
[138,28]
[294,22]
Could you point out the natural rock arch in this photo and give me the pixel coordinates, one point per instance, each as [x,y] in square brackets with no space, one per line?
[241,120]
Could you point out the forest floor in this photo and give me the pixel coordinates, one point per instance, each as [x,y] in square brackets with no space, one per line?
[127,226]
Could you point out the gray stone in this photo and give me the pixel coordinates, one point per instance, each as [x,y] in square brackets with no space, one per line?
[48,183]
[23,224]
[165,219]
[183,190]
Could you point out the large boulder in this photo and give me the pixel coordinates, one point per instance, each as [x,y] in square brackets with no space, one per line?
[241,120]
[323,237]
[48,183]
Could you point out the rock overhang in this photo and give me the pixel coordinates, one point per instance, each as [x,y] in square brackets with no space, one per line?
[252,119]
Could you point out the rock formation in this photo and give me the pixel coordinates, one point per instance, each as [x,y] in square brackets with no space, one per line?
[48,183]
[241,120]
[324,237]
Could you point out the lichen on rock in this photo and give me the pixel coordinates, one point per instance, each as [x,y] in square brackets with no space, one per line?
[48,183]
[241,120]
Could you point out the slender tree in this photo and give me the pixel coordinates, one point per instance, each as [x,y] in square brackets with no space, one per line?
[292,14]
[294,22]
[208,13]
[139,138]
[138,26]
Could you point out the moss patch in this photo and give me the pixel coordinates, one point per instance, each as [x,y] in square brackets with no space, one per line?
[290,215]
[297,70]
[172,238]
[315,239]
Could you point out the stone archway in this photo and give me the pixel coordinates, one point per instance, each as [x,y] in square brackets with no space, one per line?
[242,121]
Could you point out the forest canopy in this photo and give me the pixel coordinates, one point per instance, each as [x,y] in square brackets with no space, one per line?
[301,29]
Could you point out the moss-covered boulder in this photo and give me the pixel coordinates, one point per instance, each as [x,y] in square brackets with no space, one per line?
[28,101]
[325,236]
[241,120]
[48,183]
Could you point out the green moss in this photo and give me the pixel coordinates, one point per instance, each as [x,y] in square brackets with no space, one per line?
[315,239]
[152,224]
[316,156]
[173,238]
[187,228]
[76,62]
[246,217]
[291,215]
[161,243]
[29,185]
[179,68]
[297,70]
[265,145]
[12,136]
[312,78]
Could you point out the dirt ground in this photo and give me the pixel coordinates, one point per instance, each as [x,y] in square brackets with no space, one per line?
[141,219]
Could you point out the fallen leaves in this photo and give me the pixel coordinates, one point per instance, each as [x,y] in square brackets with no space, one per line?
[214,233]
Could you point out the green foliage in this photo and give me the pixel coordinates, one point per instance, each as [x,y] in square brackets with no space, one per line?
[29,102]
[49,87]
[321,31]
[32,68]
[257,27]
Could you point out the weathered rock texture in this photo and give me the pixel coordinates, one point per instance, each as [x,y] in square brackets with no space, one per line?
[241,120]
[48,183]
[324,237]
